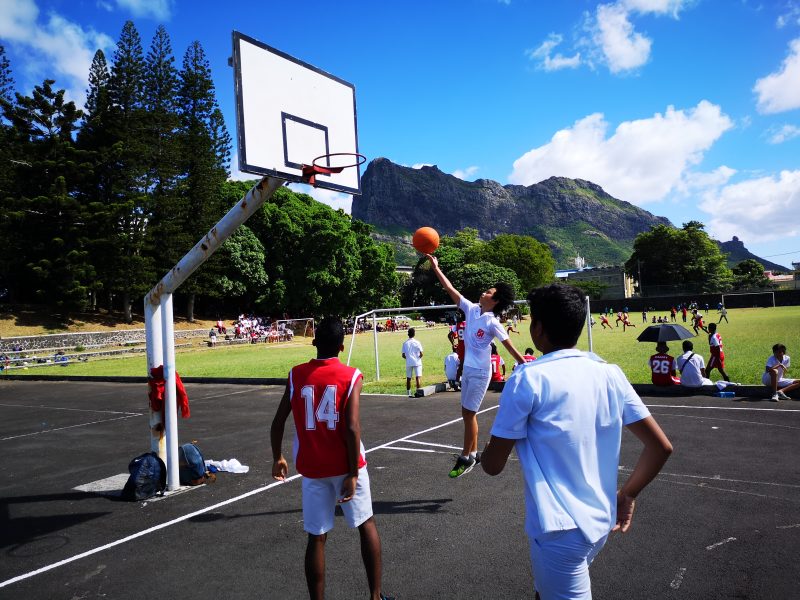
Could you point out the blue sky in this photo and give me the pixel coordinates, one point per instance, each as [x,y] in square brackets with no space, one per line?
[687,108]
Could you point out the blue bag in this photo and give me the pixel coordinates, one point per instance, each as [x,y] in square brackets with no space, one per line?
[148,478]
[191,466]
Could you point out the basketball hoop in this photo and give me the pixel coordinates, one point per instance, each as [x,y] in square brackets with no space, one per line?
[311,171]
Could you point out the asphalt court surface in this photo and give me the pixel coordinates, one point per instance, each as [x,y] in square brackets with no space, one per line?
[721,521]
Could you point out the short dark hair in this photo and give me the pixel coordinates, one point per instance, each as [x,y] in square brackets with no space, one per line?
[712,326]
[778,348]
[411,332]
[329,336]
[561,309]
[494,348]
[529,351]
[503,295]
[687,345]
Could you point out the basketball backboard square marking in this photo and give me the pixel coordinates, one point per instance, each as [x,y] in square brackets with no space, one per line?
[300,134]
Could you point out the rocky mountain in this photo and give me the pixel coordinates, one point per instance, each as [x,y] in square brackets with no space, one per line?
[574,217]
[737,253]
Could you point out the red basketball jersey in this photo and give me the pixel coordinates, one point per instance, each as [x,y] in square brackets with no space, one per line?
[497,371]
[460,329]
[663,368]
[319,392]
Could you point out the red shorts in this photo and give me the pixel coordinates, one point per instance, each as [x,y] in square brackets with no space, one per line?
[716,361]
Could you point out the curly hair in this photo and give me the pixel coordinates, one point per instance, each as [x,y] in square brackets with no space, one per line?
[503,295]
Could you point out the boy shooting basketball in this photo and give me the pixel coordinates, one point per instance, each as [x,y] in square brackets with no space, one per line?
[482,326]
[323,397]
[564,415]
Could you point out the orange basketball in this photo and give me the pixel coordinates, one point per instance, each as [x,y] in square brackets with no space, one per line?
[425,240]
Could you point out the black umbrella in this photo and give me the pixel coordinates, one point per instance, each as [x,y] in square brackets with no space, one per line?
[665,332]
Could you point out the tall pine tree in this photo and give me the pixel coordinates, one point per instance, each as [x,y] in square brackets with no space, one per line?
[132,272]
[205,150]
[46,214]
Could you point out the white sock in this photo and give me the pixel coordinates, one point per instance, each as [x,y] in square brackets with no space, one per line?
[473,454]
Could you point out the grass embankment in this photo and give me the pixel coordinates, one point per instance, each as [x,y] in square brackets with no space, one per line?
[747,339]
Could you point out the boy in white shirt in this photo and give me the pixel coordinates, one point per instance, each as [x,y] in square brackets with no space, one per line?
[482,326]
[774,374]
[451,364]
[412,352]
[564,414]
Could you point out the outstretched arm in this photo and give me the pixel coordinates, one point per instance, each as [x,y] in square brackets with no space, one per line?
[280,467]
[514,352]
[454,294]
[655,453]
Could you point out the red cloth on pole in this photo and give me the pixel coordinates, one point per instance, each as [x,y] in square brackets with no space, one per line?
[157,393]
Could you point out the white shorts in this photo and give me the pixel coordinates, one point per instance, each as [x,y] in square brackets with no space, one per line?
[782,382]
[320,499]
[474,383]
[410,371]
[560,561]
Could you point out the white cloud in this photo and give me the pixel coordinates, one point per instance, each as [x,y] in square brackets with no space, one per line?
[542,54]
[420,165]
[624,49]
[659,7]
[465,173]
[760,209]
[790,17]
[780,91]
[642,161]
[159,10]
[784,134]
[53,46]
[705,182]
[335,200]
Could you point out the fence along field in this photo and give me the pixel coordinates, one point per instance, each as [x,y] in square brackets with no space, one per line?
[747,339]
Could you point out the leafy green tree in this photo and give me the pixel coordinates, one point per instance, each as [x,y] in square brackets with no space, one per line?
[315,259]
[683,259]
[593,289]
[530,259]
[475,278]
[749,274]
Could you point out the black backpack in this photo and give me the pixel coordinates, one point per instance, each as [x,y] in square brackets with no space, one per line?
[148,478]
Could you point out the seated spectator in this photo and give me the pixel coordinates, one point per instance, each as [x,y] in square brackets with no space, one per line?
[662,366]
[498,366]
[774,374]
[221,327]
[451,363]
[692,367]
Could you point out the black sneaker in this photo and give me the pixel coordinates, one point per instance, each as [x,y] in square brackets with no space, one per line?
[384,597]
[464,465]
[478,458]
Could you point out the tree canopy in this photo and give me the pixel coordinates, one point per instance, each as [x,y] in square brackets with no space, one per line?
[667,260]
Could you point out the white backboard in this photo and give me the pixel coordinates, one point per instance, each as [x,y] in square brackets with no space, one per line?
[288,113]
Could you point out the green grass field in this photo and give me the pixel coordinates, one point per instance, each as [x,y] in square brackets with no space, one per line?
[747,339]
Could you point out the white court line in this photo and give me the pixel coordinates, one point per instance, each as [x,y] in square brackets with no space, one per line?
[725,541]
[788,526]
[724,419]
[111,412]
[223,395]
[703,486]
[795,410]
[432,444]
[200,512]
[678,579]
[415,450]
[13,437]
[717,478]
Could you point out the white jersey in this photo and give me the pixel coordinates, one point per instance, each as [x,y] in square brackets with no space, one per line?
[451,366]
[481,330]
[413,351]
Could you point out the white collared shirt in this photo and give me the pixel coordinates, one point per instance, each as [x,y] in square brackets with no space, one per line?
[566,410]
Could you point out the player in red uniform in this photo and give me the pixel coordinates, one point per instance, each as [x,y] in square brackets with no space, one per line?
[717,359]
[604,321]
[323,397]
[662,366]
[498,365]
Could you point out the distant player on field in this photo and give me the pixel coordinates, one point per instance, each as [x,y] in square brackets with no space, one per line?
[717,359]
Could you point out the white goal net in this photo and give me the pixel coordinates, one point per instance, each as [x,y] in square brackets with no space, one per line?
[749,300]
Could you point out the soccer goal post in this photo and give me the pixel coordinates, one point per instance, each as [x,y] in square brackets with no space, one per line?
[749,300]
[370,319]
[296,327]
